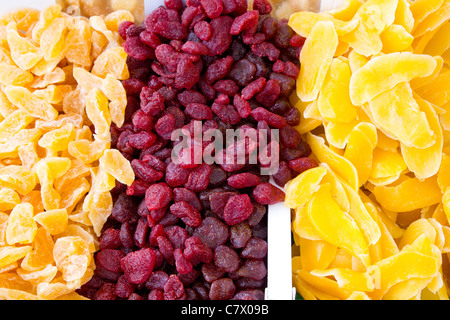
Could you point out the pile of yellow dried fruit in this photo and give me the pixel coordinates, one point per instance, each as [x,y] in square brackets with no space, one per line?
[372,221]
[60,92]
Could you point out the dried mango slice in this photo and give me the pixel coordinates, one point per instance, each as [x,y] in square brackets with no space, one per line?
[98,112]
[437,91]
[420,9]
[425,162]
[374,16]
[384,72]
[334,101]
[115,92]
[12,75]
[337,133]
[303,227]
[10,254]
[18,178]
[325,214]
[54,221]
[443,176]
[58,139]
[86,80]
[87,151]
[339,164]
[113,62]
[403,15]
[409,195]
[415,230]
[315,58]
[79,44]
[41,276]
[359,150]
[303,23]
[419,82]
[115,18]
[316,254]
[395,38]
[9,149]
[386,164]
[329,287]
[12,294]
[403,119]
[347,11]
[27,101]
[100,210]
[21,226]
[42,253]
[302,188]
[73,193]
[52,41]
[440,41]
[433,20]
[114,163]
[24,53]
[8,199]
[348,278]
[72,257]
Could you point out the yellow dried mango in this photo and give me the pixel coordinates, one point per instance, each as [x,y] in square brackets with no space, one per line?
[21,227]
[42,253]
[58,139]
[98,112]
[113,62]
[334,101]
[325,214]
[302,188]
[24,53]
[403,119]
[115,164]
[383,73]
[318,254]
[54,221]
[12,75]
[8,199]
[315,58]
[409,195]
[396,38]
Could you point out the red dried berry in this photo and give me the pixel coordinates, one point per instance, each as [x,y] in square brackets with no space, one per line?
[247,21]
[301,165]
[244,180]
[203,30]
[237,209]
[138,265]
[187,213]
[268,194]
[158,196]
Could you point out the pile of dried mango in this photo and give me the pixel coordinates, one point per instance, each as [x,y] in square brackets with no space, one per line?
[372,221]
[60,82]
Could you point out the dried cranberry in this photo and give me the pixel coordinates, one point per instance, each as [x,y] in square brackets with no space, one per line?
[243,180]
[109,259]
[300,165]
[138,265]
[199,111]
[174,289]
[220,38]
[268,194]
[246,21]
[182,265]
[212,232]
[203,30]
[225,258]
[263,6]
[222,289]
[158,196]
[213,8]
[237,209]
[136,49]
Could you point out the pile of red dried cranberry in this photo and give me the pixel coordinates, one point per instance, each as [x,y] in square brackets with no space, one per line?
[198,231]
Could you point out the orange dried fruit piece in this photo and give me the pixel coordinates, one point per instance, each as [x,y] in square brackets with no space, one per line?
[18,178]
[12,125]
[27,101]
[46,17]
[334,99]
[87,151]
[9,149]
[115,164]
[337,133]
[403,120]
[383,73]
[79,44]
[73,230]
[54,221]
[303,227]
[409,195]
[52,42]
[303,22]
[21,227]
[112,61]
[12,294]
[86,80]
[433,20]
[315,58]
[40,276]
[14,75]
[98,112]
[443,176]
[316,254]
[115,18]
[24,53]
[348,279]
[420,9]
[115,92]
[338,164]
[72,257]
[359,151]
[53,290]
[301,189]
[73,193]
[374,17]
[387,166]
[42,253]
[403,15]
[395,38]
[58,139]
[8,199]
[440,42]
[425,163]
[335,226]
[437,91]
[10,254]
[99,208]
